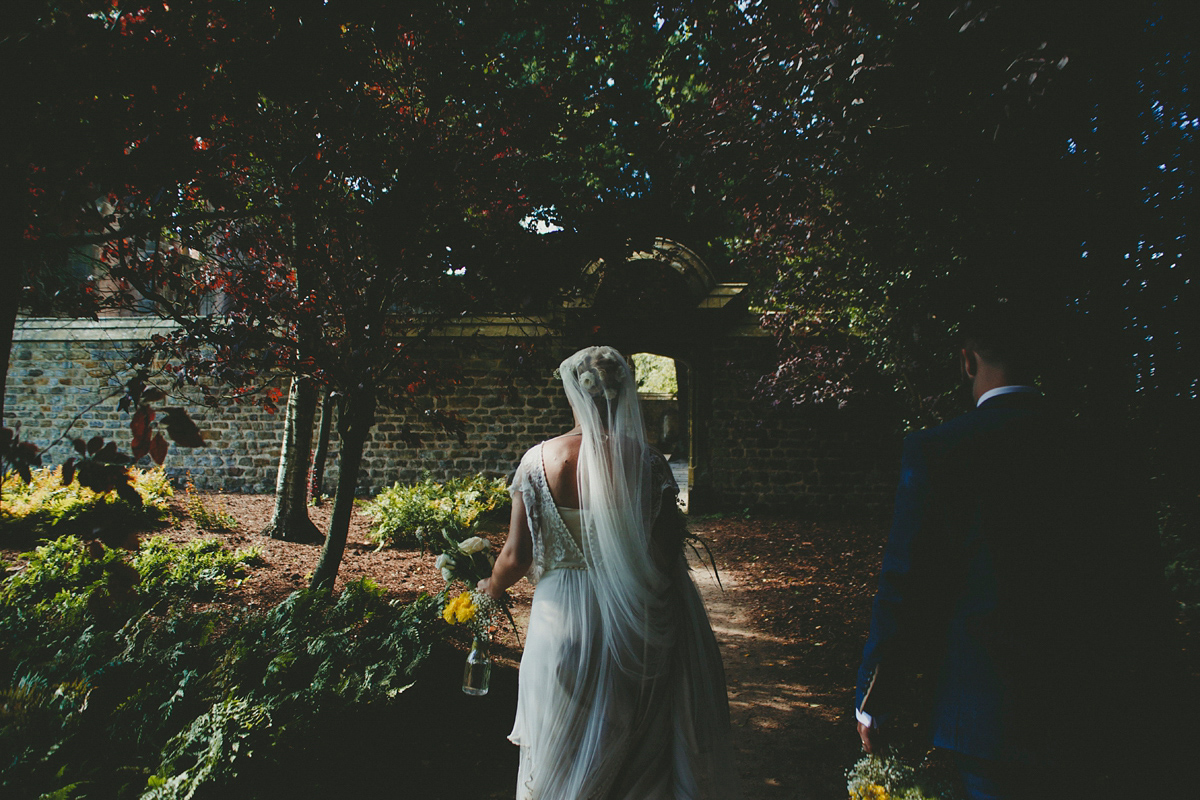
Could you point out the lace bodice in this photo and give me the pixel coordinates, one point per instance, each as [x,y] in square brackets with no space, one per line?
[555,545]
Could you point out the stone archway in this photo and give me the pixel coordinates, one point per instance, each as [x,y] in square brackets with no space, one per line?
[668,271]
[665,300]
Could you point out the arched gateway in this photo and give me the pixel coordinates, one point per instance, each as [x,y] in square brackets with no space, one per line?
[666,301]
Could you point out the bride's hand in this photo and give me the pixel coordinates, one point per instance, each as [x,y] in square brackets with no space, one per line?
[485,586]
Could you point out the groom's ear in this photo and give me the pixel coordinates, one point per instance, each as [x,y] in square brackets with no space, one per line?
[970,364]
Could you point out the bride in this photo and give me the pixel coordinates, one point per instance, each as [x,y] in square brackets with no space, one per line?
[622,693]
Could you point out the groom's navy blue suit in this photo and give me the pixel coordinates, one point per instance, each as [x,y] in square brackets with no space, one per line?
[1014,578]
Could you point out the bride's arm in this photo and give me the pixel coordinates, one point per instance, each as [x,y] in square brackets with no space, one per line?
[515,557]
[668,533]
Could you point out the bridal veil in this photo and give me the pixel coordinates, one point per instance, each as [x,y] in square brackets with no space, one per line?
[622,690]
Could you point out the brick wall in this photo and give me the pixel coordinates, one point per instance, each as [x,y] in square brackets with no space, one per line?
[811,460]
[498,428]
[815,461]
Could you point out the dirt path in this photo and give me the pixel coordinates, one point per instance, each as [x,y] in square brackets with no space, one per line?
[781,729]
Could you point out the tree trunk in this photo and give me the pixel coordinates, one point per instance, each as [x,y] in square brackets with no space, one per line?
[354,424]
[9,301]
[317,483]
[290,521]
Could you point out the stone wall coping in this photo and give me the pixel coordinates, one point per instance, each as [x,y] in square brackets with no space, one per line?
[130,329]
[64,329]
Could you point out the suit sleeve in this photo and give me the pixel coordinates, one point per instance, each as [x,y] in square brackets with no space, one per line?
[903,585]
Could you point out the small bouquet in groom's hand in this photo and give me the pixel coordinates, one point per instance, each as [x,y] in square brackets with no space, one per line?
[892,777]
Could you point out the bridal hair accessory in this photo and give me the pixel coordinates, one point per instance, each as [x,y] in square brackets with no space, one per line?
[601,372]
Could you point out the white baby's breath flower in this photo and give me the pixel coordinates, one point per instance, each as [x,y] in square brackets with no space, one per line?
[473,545]
[587,381]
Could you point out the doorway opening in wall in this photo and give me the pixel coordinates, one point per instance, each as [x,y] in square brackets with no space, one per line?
[663,392]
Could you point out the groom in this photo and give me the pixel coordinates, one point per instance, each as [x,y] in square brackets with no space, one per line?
[1018,574]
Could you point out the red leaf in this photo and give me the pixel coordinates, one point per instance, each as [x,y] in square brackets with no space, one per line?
[28,452]
[158,449]
[139,426]
[68,471]
[181,429]
[80,447]
[153,395]
[94,444]
[126,492]
[122,577]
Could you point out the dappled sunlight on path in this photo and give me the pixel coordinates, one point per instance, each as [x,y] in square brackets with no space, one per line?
[788,737]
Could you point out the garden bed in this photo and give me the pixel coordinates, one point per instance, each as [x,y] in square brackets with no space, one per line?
[791,621]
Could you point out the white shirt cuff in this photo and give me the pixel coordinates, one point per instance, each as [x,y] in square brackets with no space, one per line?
[865,718]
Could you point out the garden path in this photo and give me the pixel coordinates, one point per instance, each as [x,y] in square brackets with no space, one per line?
[781,728]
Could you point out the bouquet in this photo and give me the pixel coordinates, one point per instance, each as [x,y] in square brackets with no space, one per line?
[893,778]
[468,562]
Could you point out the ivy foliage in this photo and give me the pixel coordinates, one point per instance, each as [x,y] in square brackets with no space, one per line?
[109,689]
[421,512]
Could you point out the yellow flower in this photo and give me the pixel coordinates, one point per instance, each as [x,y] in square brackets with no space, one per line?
[872,791]
[459,610]
[465,610]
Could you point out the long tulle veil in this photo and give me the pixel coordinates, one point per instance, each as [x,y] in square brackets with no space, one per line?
[616,509]
[646,687]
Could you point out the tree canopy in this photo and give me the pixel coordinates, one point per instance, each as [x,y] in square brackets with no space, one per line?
[899,162]
[335,179]
[351,173]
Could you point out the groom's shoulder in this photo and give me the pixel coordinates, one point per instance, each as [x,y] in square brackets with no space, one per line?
[949,431]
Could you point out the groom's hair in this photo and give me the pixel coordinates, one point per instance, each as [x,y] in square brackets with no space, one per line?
[1007,335]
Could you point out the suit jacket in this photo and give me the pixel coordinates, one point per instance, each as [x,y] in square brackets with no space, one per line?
[1017,572]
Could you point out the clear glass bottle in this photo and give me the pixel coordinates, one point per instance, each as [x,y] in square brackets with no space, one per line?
[477,672]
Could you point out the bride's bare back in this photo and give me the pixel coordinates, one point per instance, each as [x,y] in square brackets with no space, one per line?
[560,456]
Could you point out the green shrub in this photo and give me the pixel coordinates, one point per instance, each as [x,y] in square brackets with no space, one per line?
[63,576]
[217,519]
[655,373]
[420,513]
[44,503]
[138,701]
[199,568]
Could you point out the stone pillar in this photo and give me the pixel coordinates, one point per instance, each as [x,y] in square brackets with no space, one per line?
[701,497]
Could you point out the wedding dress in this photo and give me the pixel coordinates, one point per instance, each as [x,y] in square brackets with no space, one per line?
[622,692]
